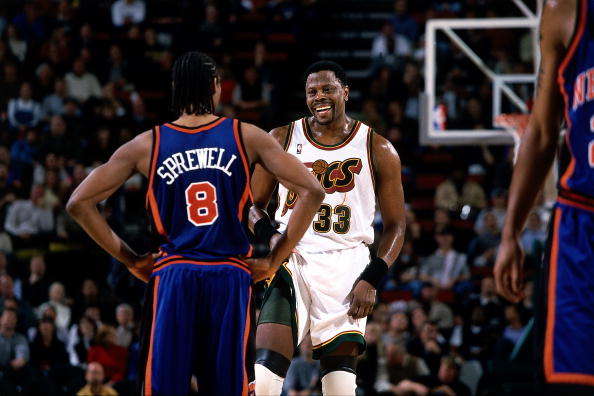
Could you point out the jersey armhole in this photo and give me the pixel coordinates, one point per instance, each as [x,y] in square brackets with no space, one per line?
[246,198]
[578,31]
[289,136]
[370,155]
[151,171]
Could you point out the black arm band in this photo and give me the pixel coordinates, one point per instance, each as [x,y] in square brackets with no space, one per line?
[375,272]
[263,230]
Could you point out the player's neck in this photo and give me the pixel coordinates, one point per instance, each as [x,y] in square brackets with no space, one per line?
[194,120]
[337,128]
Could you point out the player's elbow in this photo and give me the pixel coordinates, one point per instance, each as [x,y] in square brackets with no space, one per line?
[316,192]
[73,207]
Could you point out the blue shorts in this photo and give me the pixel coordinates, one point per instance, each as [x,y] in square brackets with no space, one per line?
[566,314]
[198,321]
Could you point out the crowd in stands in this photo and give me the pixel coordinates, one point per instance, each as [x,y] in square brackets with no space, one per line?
[79,78]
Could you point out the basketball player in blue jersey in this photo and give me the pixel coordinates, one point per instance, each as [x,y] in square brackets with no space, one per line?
[327,287]
[197,313]
[565,89]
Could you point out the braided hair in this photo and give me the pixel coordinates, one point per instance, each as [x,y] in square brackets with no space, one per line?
[193,76]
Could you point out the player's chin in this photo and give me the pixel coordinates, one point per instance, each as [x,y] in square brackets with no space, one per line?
[324,120]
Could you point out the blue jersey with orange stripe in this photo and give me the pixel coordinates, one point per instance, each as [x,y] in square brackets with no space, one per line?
[576,80]
[199,190]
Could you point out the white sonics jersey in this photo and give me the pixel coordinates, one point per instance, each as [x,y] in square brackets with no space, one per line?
[345,217]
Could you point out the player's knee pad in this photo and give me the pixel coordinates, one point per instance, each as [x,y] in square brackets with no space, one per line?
[346,363]
[273,361]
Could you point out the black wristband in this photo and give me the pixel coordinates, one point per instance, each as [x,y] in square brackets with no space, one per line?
[374,272]
[263,230]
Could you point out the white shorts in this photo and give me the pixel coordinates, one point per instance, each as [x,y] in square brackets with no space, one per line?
[321,283]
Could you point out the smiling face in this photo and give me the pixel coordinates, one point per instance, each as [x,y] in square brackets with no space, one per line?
[325,96]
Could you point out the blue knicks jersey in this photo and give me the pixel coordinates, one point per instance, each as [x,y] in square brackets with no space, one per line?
[576,79]
[199,189]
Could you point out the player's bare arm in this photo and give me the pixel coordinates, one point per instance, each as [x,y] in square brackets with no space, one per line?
[264,150]
[103,181]
[390,197]
[539,144]
[264,183]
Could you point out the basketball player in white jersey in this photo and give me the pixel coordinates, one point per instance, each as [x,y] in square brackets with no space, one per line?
[327,287]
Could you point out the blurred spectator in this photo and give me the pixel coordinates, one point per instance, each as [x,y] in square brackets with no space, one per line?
[533,237]
[7,292]
[367,363]
[17,46]
[304,373]
[80,84]
[447,381]
[95,387]
[25,150]
[125,329]
[126,12]
[48,353]
[37,284]
[139,120]
[388,48]
[473,339]
[398,329]
[397,376]
[457,191]
[59,141]
[498,208]
[14,354]
[488,299]
[80,339]
[483,249]
[57,297]
[516,321]
[445,267]
[434,309]
[53,104]
[90,296]
[24,111]
[251,95]
[112,357]
[53,191]
[44,83]
[429,346]
[406,268]
[117,68]
[27,222]
[210,30]
[9,84]
[403,23]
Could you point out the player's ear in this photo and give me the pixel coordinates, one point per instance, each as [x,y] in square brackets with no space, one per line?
[346,93]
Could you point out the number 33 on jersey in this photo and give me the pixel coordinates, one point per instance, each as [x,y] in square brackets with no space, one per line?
[345,171]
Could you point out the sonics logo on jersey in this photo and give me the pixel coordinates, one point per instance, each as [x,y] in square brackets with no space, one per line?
[338,176]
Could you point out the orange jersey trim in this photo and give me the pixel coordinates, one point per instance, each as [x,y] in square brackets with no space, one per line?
[550,375]
[575,204]
[151,201]
[247,192]
[561,81]
[246,334]
[236,264]
[210,125]
[148,386]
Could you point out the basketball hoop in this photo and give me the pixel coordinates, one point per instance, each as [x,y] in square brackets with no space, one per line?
[516,124]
